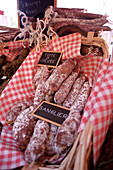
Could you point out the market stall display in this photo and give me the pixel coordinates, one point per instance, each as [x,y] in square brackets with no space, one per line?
[82,69]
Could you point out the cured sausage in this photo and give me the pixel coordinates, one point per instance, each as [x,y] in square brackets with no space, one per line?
[16,110]
[74,13]
[74,91]
[67,132]
[82,97]
[51,140]
[65,28]
[40,89]
[23,128]
[41,75]
[65,88]
[59,75]
[36,146]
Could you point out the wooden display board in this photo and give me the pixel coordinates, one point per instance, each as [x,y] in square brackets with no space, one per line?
[34,8]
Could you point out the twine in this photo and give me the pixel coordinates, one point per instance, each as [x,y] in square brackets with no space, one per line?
[37,36]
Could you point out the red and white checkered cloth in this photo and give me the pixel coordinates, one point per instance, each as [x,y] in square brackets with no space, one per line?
[10,156]
[20,87]
[15,48]
[101,113]
[99,107]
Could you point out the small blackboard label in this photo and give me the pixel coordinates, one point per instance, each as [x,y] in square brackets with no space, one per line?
[50,58]
[35,7]
[51,113]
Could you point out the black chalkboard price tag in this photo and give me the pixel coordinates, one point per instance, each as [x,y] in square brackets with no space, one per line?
[51,113]
[50,58]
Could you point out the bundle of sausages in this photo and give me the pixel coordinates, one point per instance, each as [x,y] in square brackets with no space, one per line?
[69,88]
[69,20]
[8,33]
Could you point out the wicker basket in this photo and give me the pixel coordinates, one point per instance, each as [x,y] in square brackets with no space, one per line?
[96,41]
[83,151]
[78,156]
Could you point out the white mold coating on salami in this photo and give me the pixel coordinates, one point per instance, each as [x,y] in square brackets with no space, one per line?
[23,128]
[40,89]
[74,91]
[36,146]
[67,132]
[59,75]
[82,97]
[41,74]
[17,109]
[51,140]
[39,94]
[65,88]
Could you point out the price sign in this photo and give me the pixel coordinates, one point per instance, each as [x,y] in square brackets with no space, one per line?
[51,113]
[50,58]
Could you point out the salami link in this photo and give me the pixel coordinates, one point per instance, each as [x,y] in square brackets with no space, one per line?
[69,27]
[67,132]
[40,89]
[16,110]
[39,94]
[51,140]
[65,88]
[74,13]
[36,146]
[41,75]
[74,91]
[97,21]
[82,97]
[23,128]
[59,75]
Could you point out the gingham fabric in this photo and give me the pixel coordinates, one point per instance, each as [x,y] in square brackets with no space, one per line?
[10,156]
[15,48]
[101,113]
[70,46]
[20,87]
[101,70]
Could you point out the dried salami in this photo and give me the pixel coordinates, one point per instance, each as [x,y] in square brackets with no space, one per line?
[59,75]
[67,132]
[41,75]
[74,91]
[23,128]
[16,110]
[97,21]
[51,140]
[65,88]
[36,146]
[82,97]
[40,89]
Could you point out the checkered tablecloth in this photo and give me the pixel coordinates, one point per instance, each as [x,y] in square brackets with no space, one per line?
[101,112]
[20,87]
[99,107]
[10,156]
